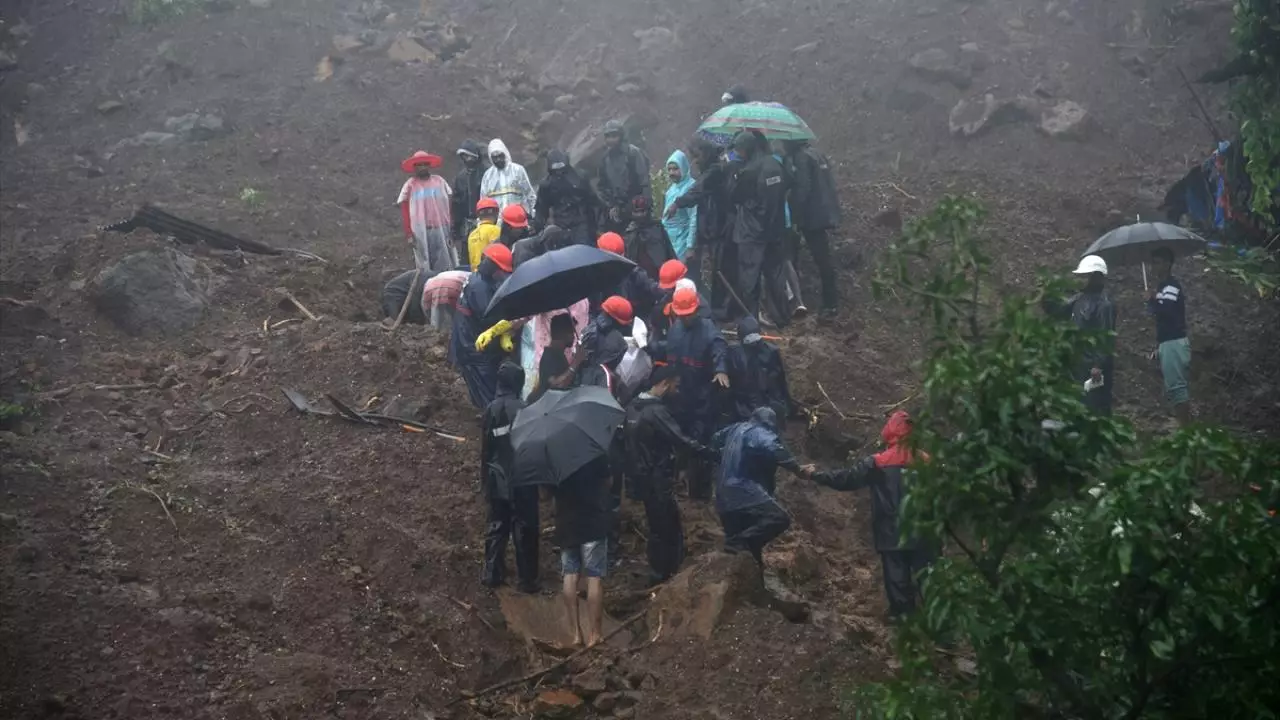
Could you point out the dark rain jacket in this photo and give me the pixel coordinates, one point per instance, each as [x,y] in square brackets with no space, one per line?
[814,202]
[601,366]
[468,320]
[652,437]
[466,189]
[710,194]
[750,454]
[623,175]
[648,245]
[757,376]
[496,455]
[552,237]
[641,291]
[699,351]
[758,193]
[660,321]
[565,197]
[884,474]
[1090,310]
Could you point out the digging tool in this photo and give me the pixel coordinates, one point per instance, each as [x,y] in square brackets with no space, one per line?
[302,404]
[347,412]
[344,411]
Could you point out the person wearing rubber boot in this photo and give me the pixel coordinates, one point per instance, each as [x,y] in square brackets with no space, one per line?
[695,346]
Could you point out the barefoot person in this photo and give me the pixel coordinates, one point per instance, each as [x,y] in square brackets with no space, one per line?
[582,529]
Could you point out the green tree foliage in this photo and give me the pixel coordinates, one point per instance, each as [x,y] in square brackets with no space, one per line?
[1256,97]
[1087,570]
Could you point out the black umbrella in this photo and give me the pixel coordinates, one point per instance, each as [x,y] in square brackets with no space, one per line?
[1133,244]
[557,279]
[562,432]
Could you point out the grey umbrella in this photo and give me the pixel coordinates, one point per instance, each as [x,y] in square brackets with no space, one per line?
[1133,244]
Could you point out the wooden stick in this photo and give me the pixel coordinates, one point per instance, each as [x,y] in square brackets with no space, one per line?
[301,308]
[833,402]
[901,402]
[163,505]
[904,192]
[555,666]
[404,307]
[762,337]
[471,609]
[728,286]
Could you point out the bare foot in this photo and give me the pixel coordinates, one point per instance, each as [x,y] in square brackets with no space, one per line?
[595,640]
[577,641]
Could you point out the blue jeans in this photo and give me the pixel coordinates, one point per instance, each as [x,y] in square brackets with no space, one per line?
[593,557]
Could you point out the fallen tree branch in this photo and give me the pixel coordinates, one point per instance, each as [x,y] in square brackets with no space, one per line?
[404,307]
[833,402]
[554,666]
[471,609]
[442,657]
[296,303]
[163,505]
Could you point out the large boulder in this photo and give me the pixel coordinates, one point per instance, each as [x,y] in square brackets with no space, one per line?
[938,64]
[973,116]
[702,596]
[1067,120]
[153,291]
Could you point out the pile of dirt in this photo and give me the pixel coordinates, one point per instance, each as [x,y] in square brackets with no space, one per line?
[180,542]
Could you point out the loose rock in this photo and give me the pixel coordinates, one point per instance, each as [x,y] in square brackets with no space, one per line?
[110,106]
[153,291]
[194,126]
[973,116]
[557,704]
[937,64]
[407,50]
[150,138]
[7,61]
[1067,119]
[655,40]
[698,599]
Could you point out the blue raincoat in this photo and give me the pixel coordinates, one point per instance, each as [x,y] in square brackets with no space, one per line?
[681,227]
[751,452]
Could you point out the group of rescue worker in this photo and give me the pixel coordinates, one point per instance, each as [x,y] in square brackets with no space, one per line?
[701,402]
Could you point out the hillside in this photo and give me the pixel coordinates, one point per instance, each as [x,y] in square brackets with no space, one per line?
[178,543]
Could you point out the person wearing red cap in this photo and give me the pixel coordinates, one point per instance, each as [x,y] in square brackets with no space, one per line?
[603,340]
[515,225]
[486,232]
[670,276]
[695,345]
[648,244]
[479,368]
[638,288]
[425,210]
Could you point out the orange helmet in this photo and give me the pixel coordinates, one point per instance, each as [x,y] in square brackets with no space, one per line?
[618,308]
[685,302]
[515,216]
[500,255]
[670,273]
[487,203]
[612,242]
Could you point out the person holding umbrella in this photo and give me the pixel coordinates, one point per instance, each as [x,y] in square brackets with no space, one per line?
[695,346]
[652,437]
[563,440]
[513,512]
[1092,309]
[479,367]
[1167,302]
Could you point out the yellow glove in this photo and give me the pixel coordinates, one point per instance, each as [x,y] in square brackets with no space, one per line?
[486,337]
[508,344]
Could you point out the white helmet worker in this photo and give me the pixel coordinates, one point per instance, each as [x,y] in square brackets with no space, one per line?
[1091,264]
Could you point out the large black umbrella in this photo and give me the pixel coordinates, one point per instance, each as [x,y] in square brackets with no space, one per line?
[562,432]
[557,279]
[1133,244]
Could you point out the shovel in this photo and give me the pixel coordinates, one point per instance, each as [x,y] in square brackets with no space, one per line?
[346,412]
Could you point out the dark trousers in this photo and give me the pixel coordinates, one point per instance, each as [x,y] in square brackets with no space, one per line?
[696,468]
[516,518]
[750,267]
[781,284]
[723,306]
[900,570]
[820,249]
[666,534]
[749,529]
[482,381]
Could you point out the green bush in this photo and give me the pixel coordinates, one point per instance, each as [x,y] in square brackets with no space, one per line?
[1087,571]
[1256,98]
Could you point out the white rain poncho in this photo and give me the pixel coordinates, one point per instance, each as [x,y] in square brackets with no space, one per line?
[510,184]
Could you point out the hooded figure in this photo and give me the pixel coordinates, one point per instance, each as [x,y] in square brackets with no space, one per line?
[709,195]
[552,237]
[513,512]
[682,224]
[479,368]
[750,454]
[466,189]
[886,473]
[815,211]
[735,94]
[565,198]
[646,241]
[506,181]
[757,376]
[758,192]
[623,175]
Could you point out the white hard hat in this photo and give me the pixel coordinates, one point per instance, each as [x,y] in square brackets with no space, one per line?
[1091,264]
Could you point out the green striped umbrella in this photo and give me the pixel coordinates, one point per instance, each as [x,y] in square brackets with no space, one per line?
[775,120]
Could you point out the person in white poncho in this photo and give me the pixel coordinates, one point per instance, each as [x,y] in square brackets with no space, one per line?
[506,180]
